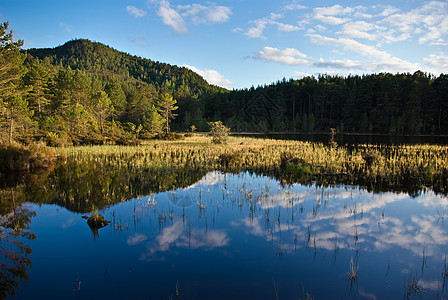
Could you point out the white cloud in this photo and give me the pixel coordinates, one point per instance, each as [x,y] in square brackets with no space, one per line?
[329,15]
[287,27]
[438,63]
[429,20]
[172,18]
[206,14]
[294,6]
[389,11]
[212,77]
[135,12]
[359,29]
[257,30]
[177,17]
[300,75]
[211,178]
[340,64]
[436,34]
[289,56]
[382,60]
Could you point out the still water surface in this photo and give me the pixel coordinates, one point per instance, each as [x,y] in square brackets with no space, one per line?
[244,237]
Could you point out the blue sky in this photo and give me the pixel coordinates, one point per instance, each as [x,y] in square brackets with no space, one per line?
[240,43]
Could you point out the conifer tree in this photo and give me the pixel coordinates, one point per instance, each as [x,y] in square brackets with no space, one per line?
[37,80]
[166,107]
[102,108]
[13,108]
[153,121]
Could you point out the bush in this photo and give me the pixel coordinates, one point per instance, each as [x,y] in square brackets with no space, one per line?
[21,158]
[219,132]
[55,140]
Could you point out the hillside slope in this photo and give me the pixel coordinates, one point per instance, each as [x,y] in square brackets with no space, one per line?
[82,54]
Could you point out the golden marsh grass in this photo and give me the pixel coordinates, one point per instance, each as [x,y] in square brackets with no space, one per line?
[402,165]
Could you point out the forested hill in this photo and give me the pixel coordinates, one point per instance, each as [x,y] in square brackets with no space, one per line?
[85,92]
[82,54]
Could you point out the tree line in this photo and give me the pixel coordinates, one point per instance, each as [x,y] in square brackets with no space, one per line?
[400,103]
[85,92]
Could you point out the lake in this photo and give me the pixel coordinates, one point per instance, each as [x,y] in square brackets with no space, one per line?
[243,236]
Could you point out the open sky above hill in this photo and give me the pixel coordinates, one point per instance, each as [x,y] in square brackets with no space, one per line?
[240,43]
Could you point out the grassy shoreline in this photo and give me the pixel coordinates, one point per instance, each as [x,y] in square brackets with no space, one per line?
[94,177]
[413,167]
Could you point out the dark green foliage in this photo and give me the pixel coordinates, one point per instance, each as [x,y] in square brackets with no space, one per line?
[98,58]
[377,103]
[88,93]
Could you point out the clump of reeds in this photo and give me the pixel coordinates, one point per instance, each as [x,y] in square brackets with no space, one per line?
[353,271]
[413,286]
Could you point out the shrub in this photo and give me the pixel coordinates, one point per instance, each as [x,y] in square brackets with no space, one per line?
[21,158]
[219,132]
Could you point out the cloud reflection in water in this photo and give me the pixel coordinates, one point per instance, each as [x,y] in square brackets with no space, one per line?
[179,236]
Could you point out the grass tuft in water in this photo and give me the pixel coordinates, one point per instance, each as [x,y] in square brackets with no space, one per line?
[353,271]
[413,286]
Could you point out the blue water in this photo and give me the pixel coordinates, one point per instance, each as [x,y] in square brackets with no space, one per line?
[244,237]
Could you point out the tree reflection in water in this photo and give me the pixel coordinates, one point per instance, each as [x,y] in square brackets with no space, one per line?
[192,211]
[14,231]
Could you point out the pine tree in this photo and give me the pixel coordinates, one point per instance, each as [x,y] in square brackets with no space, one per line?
[13,108]
[166,107]
[153,121]
[102,108]
[37,79]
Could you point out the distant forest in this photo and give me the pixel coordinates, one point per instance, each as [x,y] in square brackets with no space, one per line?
[378,103]
[85,92]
